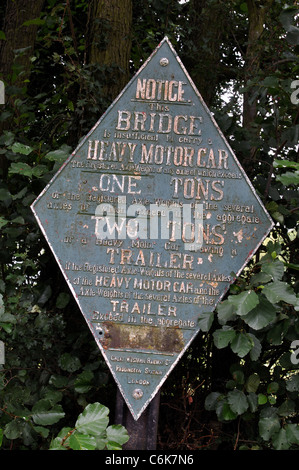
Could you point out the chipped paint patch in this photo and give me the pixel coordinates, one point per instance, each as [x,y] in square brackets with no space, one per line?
[239,235]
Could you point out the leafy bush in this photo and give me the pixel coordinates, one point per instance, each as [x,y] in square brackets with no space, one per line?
[91,432]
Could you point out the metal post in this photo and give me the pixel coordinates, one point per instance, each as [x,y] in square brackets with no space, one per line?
[143,432]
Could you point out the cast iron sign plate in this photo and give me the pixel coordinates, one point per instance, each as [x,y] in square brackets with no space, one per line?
[147,220]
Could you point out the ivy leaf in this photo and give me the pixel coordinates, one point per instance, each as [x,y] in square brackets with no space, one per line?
[280,440]
[5,317]
[116,434]
[286,17]
[226,312]
[278,291]
[244,302]
[58,381]
[13,430]
[35,21]
[59,155]
[224,411]
[39,170]
[289,177]
[260,278]
[270,82]
[5,196]
[93,420]
[292,431]
[83,382]
[293,384]
[43,414]
[205,320]
[223,337]
[241,344]
[238,376]
[272,387]
[3,222]
[256,349]
[212,400]
[287,408]
[17,147]
[276,334]
[56,444]
[69,363]
[285,163]
[278,217]
[18,220]
[113,446]
[237,401]
[45,296]
[252,401]
[252,383]
[268,426]
[274,268]
[20,168]
[287,20]
[62,300]
[261,316]
[101,441]
[293,35]
[262,399]
[78,441]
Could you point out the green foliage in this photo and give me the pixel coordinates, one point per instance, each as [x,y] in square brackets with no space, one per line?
[254,321]
[91,432]
[52,366]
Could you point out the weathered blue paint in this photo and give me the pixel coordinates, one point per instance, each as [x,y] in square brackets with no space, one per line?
[142,298]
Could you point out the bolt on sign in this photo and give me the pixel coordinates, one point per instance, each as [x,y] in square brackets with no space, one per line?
[147,219]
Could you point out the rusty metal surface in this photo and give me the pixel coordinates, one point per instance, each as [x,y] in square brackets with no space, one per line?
[141,337]
[157,146]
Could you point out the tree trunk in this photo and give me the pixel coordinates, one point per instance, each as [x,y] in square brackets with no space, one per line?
[15,68]
[18,37]
[257,14]
[208,24]
[111,42]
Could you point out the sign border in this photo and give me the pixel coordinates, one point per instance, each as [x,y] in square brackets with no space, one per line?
[250,255]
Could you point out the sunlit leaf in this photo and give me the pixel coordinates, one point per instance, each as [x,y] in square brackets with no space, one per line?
[93,420]
[80,441]
[278,290]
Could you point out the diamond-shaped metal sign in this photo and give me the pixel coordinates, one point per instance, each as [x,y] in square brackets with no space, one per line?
[147,220]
